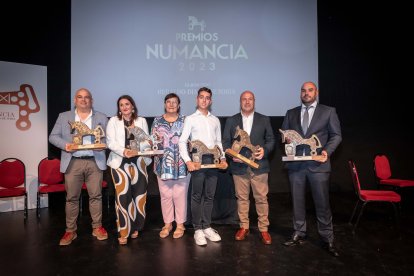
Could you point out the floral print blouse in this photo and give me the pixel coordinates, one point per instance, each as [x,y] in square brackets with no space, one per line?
[170,165]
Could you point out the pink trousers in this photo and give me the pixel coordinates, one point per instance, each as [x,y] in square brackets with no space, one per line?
[174,199]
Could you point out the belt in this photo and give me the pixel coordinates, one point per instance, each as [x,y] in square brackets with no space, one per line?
[83,157]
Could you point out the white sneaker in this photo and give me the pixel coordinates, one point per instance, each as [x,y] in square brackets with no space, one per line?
[212,234]
[199,237]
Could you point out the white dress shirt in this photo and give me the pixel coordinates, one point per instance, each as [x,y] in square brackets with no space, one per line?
[247,122]
[205,128]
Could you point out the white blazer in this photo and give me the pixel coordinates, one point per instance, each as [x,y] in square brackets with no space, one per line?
[115,139]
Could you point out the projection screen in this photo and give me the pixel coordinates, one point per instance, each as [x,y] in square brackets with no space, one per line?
[148,49]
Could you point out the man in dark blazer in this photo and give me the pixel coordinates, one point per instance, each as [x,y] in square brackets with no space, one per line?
[322,121]
[261,134]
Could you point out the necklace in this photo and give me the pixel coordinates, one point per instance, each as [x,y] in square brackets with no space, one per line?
[127,123]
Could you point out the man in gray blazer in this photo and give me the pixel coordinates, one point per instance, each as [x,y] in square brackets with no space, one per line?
[261,134]
[322,121]
[83,166]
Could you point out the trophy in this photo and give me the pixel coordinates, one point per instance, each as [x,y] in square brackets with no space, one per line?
[198,149]
[243,141]
[293,139]
[143,144]
[82,130]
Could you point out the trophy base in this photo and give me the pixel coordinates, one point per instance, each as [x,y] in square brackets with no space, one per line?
[210,166]
[88,147]
[301,158]
[245,160]
[147,152]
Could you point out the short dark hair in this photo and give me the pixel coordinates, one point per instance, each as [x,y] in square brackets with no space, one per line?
[206,89]
[170,96]
[131,100]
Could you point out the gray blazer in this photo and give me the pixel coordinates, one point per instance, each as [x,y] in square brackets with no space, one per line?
[61,135]
[261,134]
[325,124]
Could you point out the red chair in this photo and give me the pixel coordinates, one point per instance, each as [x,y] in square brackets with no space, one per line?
[383,173]
[13,180]
[50,179]
[366,196]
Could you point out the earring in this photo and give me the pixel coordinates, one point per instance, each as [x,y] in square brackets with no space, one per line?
[119,112]
[133,110]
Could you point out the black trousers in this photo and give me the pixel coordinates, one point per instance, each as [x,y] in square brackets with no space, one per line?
[319,185]
[203,189]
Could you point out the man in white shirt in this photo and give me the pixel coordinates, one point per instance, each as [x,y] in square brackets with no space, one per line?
[245,178]
[203,126]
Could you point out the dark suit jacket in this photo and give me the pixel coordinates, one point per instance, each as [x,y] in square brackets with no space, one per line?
[261,134]
[325,124]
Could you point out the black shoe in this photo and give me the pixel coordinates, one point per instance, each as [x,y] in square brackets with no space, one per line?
[331,249]
[296,239]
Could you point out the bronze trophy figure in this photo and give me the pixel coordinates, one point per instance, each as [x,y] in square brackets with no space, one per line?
[198,149]
[144,144]
[293,139]
[243,141]
[82,130]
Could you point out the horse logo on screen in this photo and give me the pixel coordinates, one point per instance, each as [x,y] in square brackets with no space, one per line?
[244,141]
[83,130]
[193,22]
[27,102]
[201,149]
[294,139]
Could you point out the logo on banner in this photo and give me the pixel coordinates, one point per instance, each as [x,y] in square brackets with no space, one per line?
[193,22]
[197,45]
[27,102]
[197,49]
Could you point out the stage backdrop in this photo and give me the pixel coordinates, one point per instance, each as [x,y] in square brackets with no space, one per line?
[150,48]
[23,124]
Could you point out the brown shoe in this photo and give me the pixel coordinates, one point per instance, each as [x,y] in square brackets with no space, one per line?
[122,240]
[179,231]
[134,235]
[100,233]
[241,234]
[165,231]
[266,238]
[67,238]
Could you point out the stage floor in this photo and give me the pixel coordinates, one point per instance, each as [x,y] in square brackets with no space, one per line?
[376,248]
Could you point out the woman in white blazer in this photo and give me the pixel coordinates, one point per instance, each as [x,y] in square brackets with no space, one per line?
[129,173]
